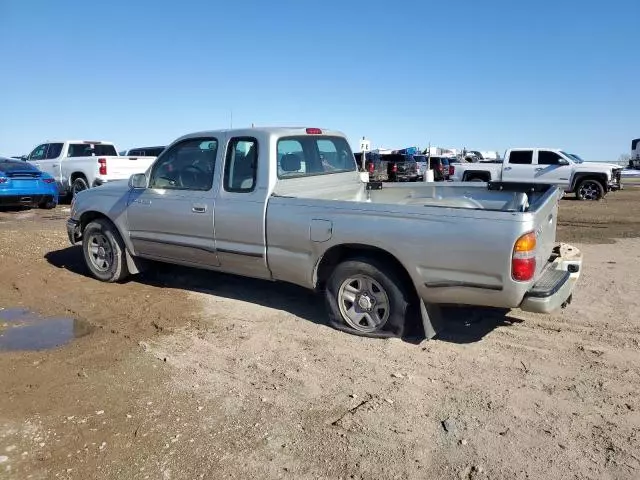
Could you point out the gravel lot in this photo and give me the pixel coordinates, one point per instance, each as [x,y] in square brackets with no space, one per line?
[189,374]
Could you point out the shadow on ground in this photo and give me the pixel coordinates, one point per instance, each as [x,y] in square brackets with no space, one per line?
[463,324]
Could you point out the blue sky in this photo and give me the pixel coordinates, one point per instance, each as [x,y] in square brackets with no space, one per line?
[454,73]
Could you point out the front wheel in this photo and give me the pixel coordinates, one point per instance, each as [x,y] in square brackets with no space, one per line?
[590,190]
[368,298]
[104,251]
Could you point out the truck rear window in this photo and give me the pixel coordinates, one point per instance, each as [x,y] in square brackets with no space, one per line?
[302,156]
[85,150]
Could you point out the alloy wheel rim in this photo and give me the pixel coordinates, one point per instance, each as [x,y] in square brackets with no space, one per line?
[589,191]
[100,252]
[364,303]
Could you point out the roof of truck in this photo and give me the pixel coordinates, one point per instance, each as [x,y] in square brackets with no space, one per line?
[281,131]
[95,142]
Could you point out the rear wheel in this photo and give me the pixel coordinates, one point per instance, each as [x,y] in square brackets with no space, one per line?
[47,204]
[104,251]
[590,189]
[475,179]
[78,185]
[368,298]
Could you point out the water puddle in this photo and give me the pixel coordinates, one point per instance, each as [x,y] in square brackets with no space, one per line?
[21,329]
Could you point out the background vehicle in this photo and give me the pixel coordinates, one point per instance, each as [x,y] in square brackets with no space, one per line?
[288,204]
[78,165]
[377,168]
[23,185]
[588,180]
[634,161]
[143,152]
[400,167]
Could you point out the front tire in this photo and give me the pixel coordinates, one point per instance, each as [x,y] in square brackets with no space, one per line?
[590,189]
[104,251]
[368,298]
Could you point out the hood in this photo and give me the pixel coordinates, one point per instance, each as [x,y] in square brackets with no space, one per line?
[599,165]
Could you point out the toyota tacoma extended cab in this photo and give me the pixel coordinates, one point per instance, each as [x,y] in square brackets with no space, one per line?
[287,204]
[78,165]
[588,180]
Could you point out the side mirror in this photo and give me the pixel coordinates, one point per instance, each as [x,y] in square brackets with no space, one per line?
[24,158]
[563,161]
[138,180]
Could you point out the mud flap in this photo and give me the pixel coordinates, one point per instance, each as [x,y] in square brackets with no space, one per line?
[134,265]
[431,319]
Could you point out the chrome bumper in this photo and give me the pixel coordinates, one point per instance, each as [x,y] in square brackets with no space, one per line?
[554,289]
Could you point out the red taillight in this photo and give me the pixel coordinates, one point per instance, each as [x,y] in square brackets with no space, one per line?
[102,162]
[314,131]
[523,260]
[48,180]
[394,168]
[452,170]
[371,167]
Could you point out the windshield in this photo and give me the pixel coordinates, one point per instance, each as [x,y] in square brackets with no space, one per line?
[573,157]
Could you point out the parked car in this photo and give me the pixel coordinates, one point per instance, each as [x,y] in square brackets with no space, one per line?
[400,167]
[376,166]
[263,203]
[588,180]
[81,164]
[143,152]
[439,165]
[23,185]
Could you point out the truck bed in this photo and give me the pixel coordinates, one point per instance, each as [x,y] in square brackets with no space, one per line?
[495,196]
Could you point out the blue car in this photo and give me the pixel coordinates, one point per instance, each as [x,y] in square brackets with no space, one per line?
[23,185]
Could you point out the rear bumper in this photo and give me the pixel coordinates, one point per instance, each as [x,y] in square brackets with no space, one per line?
[554,289]
[27,200]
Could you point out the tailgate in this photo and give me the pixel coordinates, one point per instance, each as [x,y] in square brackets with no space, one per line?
[124,167]
[545,229]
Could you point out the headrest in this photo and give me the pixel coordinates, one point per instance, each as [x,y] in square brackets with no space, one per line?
[290,162]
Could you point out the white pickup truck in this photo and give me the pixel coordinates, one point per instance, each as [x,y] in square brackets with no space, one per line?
[588,180]
[81,164]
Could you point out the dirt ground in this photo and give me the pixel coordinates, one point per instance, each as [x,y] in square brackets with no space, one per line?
[191,375]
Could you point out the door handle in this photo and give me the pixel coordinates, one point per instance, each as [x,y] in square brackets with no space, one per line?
[507,168]
[539,168]
[54,165]
[198,208]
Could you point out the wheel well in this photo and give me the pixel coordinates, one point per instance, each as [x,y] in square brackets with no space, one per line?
[75,175]
[599,177]
[88,217]
[340,253]
[486,176]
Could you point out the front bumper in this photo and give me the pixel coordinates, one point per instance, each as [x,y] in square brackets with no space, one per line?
[554,289]
[73,231]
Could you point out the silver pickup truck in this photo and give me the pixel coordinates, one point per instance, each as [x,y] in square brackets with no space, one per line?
[288,204]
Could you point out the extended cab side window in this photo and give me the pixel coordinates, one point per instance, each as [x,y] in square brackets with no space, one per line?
[521,157]
[39,152]
[241,165]
[54,151]
[546,157]
[188,165]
